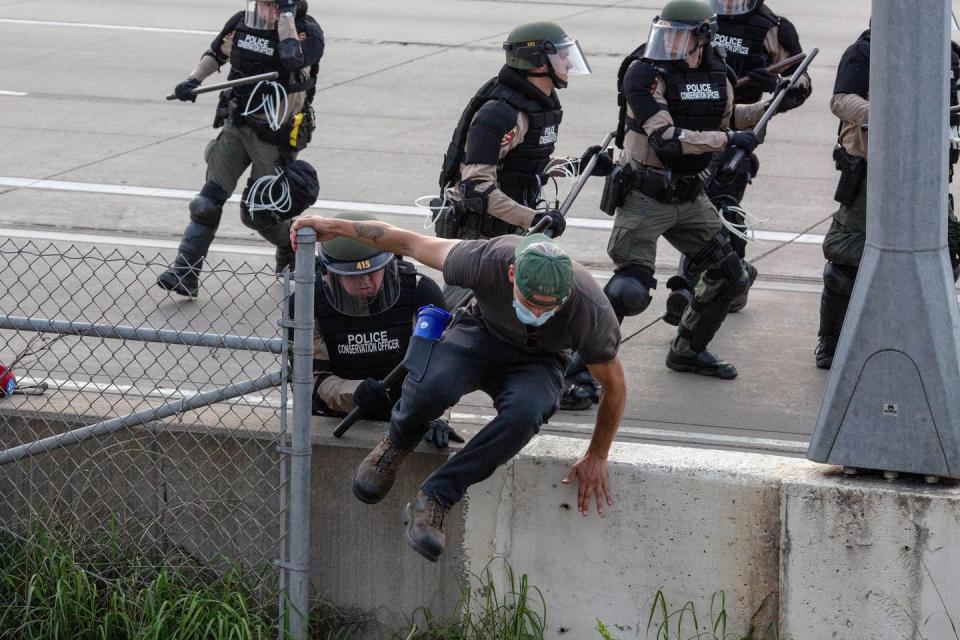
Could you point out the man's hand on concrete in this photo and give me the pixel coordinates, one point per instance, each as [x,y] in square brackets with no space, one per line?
[593,483]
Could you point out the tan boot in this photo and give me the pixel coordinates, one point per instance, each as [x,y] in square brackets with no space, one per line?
[426,526]
[375,475]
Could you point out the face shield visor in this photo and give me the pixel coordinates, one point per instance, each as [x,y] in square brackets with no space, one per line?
[677,40]
[568,59]
[733,7]
[365,288]
[262,15]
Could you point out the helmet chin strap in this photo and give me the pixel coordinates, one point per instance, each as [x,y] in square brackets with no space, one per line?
[550,73]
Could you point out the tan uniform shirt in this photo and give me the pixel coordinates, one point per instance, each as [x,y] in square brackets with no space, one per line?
[771,42]
[286,28]
[636,147]
[853,111]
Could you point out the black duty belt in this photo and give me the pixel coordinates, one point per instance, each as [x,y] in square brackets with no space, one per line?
[664,188]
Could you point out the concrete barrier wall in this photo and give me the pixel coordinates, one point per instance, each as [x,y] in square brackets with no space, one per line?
[830,557]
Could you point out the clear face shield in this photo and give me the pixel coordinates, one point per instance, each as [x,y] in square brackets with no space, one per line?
[569,60]
[262,14]
[676,40]
[365,292]
[733,7]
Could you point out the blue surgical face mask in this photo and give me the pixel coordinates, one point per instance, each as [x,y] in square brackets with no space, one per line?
[529,317]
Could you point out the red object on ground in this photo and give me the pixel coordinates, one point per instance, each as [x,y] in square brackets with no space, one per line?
[7,382]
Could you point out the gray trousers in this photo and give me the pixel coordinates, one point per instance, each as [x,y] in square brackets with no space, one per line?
[525,389]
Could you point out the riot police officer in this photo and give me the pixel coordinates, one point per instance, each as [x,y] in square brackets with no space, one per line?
[501,153]
[365,303]
[677,110]
[844,242]
[264,125]
[752,38]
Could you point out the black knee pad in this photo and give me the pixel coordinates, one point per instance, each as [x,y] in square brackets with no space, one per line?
[730,269]
[629,290]
[207,207]
[839,278]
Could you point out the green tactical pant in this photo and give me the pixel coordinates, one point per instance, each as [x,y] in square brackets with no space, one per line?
[688,226]
[228,156]
[847,236]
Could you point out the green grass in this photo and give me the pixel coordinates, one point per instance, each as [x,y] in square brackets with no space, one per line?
[484,613]
[47,593]
[667,623]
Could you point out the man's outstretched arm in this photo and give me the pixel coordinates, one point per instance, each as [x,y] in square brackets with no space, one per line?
[425,249]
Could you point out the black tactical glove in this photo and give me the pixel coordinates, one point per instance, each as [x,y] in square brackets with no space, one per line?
[746,140]
[440,434]
[557,222]
[794,97]
[765,79]
[372,397]
[184,90]
[604,164]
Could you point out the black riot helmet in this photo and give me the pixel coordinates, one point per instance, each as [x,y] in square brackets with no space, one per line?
[358,280]
[734,7]
[681,28]
[540,44]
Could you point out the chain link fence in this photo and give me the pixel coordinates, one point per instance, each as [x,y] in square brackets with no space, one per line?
[147,426]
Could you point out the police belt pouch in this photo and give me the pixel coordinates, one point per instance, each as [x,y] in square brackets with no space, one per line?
[447,218]
[853,171]
[664,188]
[615,188]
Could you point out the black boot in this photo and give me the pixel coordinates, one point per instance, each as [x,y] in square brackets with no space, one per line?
[741,300]
[183,276]
[838,281]
[826,348]
[682,358]
[580,390]
[681,288]
[279,236]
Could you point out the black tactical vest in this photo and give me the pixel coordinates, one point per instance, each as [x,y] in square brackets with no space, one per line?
[368,346]
[741,37]
[254,52]
[697,100]
[521,172]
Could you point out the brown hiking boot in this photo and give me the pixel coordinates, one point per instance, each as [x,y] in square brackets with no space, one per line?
[376,473]
[426,526]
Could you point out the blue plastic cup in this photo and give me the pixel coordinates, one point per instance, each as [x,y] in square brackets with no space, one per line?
[431,322]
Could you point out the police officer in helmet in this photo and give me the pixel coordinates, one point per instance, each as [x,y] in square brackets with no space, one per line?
[365,304]
[502,149]
[845,240]
[677,111]
[751,38]
[264,125]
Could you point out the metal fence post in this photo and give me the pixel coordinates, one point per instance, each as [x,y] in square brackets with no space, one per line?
[299,529]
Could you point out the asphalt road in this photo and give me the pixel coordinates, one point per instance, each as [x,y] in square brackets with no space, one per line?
[95,157]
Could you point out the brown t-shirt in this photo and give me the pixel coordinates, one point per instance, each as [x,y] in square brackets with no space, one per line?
[585,323]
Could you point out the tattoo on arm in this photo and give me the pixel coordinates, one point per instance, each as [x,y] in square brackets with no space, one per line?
[368,231]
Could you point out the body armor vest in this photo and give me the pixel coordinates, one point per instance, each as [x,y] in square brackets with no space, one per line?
[697,100]
[521,172]
[362,347]
[741,38]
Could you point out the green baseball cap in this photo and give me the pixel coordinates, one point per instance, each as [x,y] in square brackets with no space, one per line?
[542,268]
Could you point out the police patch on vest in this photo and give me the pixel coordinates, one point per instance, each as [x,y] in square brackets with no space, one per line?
[549,134]
[372,342]
[731,44]
[700,92]
[255,44]
[508,137]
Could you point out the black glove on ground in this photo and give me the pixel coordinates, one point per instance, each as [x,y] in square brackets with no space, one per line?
[557,222]
[372,397]
[184,90]
[440,434]
[604,164]
[746,140]
[765,79]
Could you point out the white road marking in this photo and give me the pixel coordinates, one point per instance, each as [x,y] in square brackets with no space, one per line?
[272,401]
[97,25]
[16,94]
[332,205]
